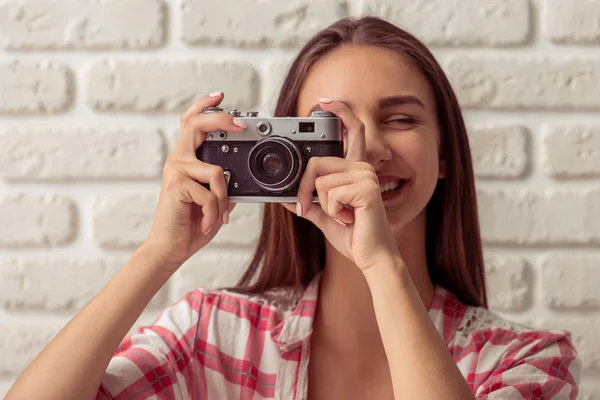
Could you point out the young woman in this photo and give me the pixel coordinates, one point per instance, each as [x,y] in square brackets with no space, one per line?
[375,292]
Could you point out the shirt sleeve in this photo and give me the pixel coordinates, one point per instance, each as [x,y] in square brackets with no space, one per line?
[154,362]
[537,365]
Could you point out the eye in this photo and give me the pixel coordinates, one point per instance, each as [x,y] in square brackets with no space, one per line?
[405,120]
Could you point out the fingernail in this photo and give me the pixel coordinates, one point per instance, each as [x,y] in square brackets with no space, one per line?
[240,122]
[299,209]
[325,100]
[339,222]
[226,217]
[206,232]
[215,94]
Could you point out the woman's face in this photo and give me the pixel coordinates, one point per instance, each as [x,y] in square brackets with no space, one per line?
[395,103]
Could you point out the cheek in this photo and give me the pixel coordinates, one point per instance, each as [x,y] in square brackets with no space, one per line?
[421,153]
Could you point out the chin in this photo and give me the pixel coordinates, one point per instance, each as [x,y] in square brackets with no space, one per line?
[407,219]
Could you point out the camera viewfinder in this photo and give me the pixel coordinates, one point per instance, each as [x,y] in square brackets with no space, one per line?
[307,127]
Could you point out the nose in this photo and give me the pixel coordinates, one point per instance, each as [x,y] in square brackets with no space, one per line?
[378,149]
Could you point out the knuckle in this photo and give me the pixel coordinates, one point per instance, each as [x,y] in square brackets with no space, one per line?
[168,169]
[371,187]
[172,174]
[367,167]
[319,184]
[312,163]
[216,171]
[212,199]
[374,186]
[173,181]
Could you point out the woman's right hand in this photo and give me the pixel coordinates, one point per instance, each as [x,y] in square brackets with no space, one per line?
[188,215]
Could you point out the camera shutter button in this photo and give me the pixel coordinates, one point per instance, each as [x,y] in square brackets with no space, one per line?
[235,113]
[322,114]
[252,114]
[209,110]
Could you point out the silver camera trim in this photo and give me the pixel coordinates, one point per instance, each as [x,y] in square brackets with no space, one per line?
[263,123]
[326,129]
[273,199]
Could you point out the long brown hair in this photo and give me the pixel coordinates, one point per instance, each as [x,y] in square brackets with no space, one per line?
[291,250]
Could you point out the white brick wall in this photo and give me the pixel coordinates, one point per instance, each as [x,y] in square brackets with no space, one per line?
[90,99]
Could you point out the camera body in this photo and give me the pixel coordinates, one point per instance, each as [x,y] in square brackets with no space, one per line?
[265,163]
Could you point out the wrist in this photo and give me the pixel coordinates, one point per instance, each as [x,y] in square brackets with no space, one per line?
[384,267]
[155,260]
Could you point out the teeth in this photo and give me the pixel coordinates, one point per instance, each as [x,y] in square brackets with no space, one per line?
[389,186]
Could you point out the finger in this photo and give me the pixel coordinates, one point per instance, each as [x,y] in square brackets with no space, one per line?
[320,166]
[357,195]
[325,184]
[356,142]
[193,192]
[193,133]
[331,181]
[321,193]
[210,100]
[213,175]
[337,200]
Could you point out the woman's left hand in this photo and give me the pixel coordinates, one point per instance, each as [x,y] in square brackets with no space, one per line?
[350,213]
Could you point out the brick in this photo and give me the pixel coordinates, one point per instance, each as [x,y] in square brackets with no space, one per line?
[57,283]
[257,22]
[570,281]
[572,151]
[100,154]
[35,88]
[210,269]
[82,24]
[585,338]
[273,78]
[571,22]
[539,217]
[172,137]
[20,344]
[549,83]
[457,22]
[124,222]
[170,86]
[498,151]
[509,283]
[5,385]
[36,221]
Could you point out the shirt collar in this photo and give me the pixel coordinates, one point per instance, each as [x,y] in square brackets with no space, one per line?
[297,323]
[446,312]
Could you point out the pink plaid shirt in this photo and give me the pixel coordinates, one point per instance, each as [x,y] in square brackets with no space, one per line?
[222,345]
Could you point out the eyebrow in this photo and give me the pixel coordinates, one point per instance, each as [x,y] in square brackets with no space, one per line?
[384,102]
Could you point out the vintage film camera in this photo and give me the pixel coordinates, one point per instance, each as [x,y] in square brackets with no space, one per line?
[265,162]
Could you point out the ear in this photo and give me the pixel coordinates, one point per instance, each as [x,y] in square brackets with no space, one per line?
[442,169]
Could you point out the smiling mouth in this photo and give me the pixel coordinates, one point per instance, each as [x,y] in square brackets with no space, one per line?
[391,186]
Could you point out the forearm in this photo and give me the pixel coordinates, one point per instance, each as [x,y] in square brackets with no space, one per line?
[73,363]
[420,365]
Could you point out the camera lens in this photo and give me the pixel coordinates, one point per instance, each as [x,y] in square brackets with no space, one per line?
[271,164]
[275,163]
